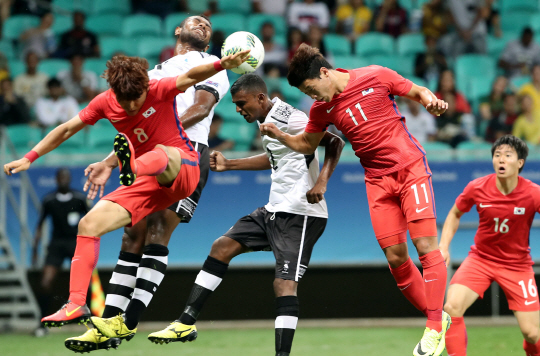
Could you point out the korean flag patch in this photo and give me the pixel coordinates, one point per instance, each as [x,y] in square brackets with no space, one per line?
[367,91]
[149,112]
[519,211]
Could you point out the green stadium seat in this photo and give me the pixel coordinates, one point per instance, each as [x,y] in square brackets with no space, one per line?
[255,22]
[6,48]
[473,151]
[410,44]
[403,65]
[76,141]
[152,46]
[534,22]
[350,62]
[64,6]
[495,45]
[374,43]
[96,65]
[235,6]
[16,67]
[198,6]
[62,24]
[241,133]
[227,110]
[172,21]
[473,66]
[515,20]
[228,23]
[281,40]
[51,67]
[105,24]
[519,81]
[112,45]
[416,80]
[141,25]
[337,44]
[15,25]
[521,5]
[438,151]
[101,136]
[292,94]
[479,87]
[23,137]
[118,7]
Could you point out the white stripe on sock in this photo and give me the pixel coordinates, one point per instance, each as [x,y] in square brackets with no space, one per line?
[150,275]
[207,280]
[162,259]
[142,295]
[123,279]
[129,264]
[116,300]
[286,322]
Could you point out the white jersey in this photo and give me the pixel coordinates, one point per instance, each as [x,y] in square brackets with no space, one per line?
[293,173]
[218,85]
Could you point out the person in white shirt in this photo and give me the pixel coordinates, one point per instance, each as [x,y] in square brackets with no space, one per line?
[32,84]
[82,84]
[274,7]
[56,108]
[420,123]
[306,13]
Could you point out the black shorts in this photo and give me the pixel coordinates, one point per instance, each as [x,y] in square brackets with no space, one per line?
[185,208]
[59,250]
[290,236]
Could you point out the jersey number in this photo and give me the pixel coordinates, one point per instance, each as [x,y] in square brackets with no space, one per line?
[423,185]
[141,136]
[502,228]
[532,289]
[349,111]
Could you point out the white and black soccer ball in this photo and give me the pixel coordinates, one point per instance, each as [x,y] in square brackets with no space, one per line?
[240,41]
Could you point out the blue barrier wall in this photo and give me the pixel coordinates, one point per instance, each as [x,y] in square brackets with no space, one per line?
[349,237]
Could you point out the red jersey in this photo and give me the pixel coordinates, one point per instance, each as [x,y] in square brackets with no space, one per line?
[368,116]
[155,123]
[505,220]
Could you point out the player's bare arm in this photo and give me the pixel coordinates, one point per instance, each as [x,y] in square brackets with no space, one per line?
[203,104]
[305,143]
[450,227]
[425,97]
[333,147]
[218,163]
[60,134]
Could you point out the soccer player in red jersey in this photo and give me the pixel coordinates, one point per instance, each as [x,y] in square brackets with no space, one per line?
[506,204]
[158,165]
[361,104]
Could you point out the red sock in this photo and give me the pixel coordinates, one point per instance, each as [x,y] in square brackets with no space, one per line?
[409,281]
[152,163]
[435,285]
[530,349]
[83,263]
[456,338]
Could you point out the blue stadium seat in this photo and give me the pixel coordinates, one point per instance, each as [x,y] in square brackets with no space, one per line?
[374,43]
[410,44]
[105,24]
[152,46]
[118,7]
[403,65]
[52,66]
[350,62]
[62,24]
[337,44]
[172,21]
[235,6]
[15,25]
[6,48]
[198,6]
[141,25]
[228,23]
[24,137]
[96,65]
[255,22]
[16,67]
[112,45]
[515,20]
[473,66]
[521,5]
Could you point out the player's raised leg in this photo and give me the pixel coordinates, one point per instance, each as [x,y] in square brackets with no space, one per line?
[529,324]
[459,299]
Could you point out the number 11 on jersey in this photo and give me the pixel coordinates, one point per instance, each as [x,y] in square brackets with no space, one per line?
[349,111]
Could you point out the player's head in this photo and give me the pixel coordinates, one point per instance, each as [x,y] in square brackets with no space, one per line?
[509,154]
[250,95]
[128,79]
[310,72]
[63,179]
[195,31]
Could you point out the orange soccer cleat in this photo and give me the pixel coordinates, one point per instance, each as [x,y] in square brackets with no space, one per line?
[69,313]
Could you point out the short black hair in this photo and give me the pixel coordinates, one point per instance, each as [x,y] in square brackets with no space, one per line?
[516,143]
[527,31]
[187,18]
[249,83]
[53,82]
[306,64]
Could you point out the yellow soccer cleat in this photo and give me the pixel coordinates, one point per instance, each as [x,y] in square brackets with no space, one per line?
[446,322]
[113,327]
[433,342]
[91,340]
[174,332]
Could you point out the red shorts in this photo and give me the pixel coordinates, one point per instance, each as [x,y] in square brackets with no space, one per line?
[478,273]
[399,198]
[147,196]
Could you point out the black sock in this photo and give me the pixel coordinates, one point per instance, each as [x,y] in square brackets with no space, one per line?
[121,284]
[287,311]
[149,275]
[207,281]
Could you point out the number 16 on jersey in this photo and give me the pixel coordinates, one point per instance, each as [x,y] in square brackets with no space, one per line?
[349,111]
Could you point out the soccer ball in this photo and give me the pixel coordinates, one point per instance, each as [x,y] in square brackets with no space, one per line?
[240,41]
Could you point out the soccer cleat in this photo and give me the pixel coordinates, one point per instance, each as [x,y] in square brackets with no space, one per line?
[174,332]
[446,322]
[433,342]
[113,327]
[125,153]
[69,313]
[91,340]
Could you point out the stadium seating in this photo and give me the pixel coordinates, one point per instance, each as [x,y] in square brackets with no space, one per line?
[24,137]
[66,6]
[7,49]
[473,66]
[141,25]
[15,25]
[101,136]
[152,46]
[410,44]
[62,24]
[519,81]
[96,65]
[118,7]
[350,62]
[337,44]
[228,23]
[521,5]
[534,22]
[403,65]
[438,151]
[227,110]
[473,151]
[198,6]
[416,80]
[235,6]
[51,67]
[374,43]
[105,24]
[515,20]
[292,94]
[495,45]
[240,132]
[112,45]
[172,21]
[77,141]
[16,67]
[255,22]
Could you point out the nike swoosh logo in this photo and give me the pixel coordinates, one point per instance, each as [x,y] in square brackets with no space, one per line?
[407,286]
[484,205]
[419,211]
[529,303]
[430,280]
[420,351]
[328,111]
[68,314]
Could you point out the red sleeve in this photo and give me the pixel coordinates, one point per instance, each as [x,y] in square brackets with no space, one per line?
[462,105]
[396,84]
[166,88]
[465,200]
[315,123]
[94,111]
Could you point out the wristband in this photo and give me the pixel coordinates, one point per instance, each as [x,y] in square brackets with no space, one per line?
[32,156]
[217,66]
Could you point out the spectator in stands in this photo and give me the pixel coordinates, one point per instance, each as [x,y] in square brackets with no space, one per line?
[274,7]
[452,124]
[493,19]
[4,67]
[492,104]
[40,40]
[435,19]
[315,39]
[520,55]
[81,84]
[430,64]
[527,125]
[32,84]
[532,89]
[275,54]
[56,108]
[420,123]
[295,38]
[391,18]
[215,142]
[308,12]
[353,18]
[447,85]
[13,109]
[78,40]
[502,123]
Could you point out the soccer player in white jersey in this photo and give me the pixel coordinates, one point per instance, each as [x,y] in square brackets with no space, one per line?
[146,242]
[289,225]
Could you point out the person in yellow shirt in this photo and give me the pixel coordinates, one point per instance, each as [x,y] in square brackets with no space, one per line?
[527,125]
[532,89]
[353,19]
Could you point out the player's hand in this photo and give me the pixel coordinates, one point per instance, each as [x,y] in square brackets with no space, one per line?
[98,174]
[17,166]
[316,194]
[234,60]
[270,130]
[218,162]
[437,107]
[446,255]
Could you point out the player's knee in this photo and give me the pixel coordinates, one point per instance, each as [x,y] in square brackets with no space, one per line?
[132,243]
[454,309]
[284,287]
[87,227]
[396,260]
[225,249]
[425,245]
[531,333]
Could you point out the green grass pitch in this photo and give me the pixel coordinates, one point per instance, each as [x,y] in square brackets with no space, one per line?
[488,341]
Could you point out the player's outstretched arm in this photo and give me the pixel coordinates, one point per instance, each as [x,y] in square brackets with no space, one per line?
[50,142]
[305,143]
[333,146]
[218,163]
[449,230]
[425,97]
[205,71]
